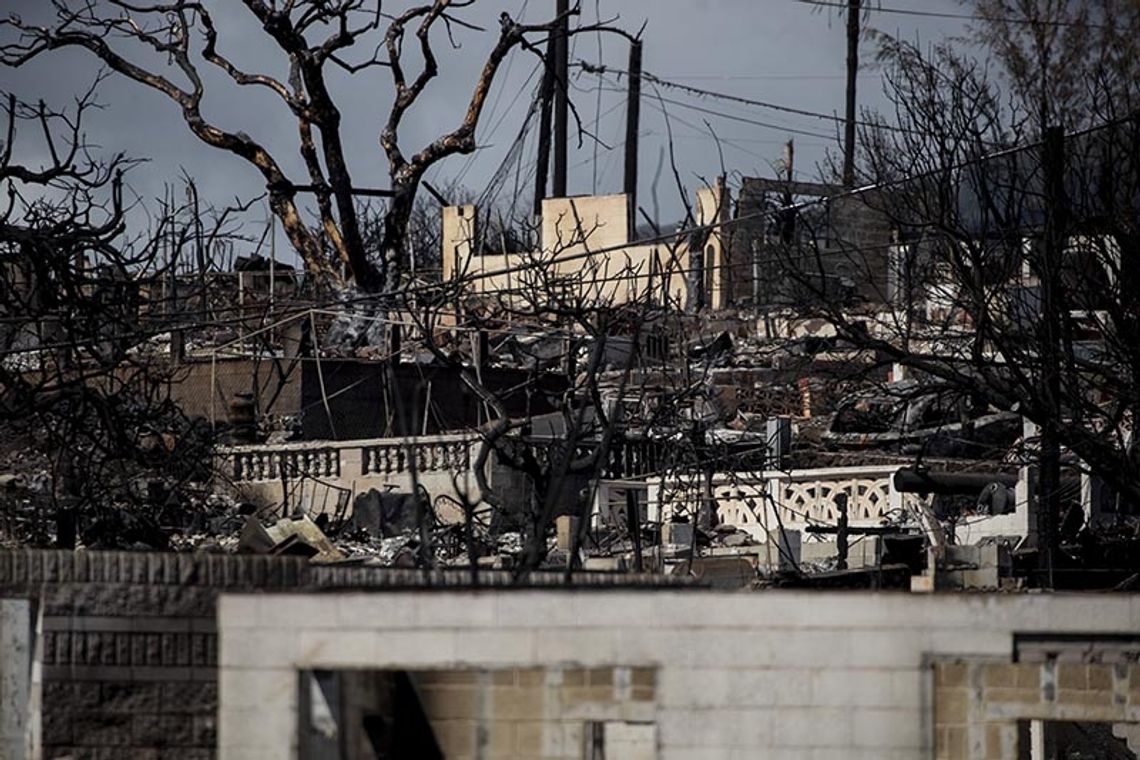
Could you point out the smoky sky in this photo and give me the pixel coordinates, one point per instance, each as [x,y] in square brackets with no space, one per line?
[779,51]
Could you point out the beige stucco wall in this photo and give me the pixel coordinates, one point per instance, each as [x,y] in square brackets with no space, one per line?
[586,249]
[713,208]
[739,675]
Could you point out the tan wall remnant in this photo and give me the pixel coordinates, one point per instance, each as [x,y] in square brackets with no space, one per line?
[587,251]
[525,713]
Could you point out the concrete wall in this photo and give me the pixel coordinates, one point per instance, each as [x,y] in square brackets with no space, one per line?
[852,239]
[739,675]
[127,650]
[204,389]
[18,724]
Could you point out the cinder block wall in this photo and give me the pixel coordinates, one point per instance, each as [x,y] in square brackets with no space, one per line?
[739,675]
[978,704]
[525,713]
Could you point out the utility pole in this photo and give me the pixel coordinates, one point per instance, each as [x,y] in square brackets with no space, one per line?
[1049,278]
[632,119]
[853,9]
[788,214]
[561,96]
[542,167]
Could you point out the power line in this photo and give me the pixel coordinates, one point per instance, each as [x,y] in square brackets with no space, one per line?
[495,126]
[742,119]
[955,16]
[699,91]
[762,77]
[705,135]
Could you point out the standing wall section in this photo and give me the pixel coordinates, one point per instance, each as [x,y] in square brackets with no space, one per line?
[784,675]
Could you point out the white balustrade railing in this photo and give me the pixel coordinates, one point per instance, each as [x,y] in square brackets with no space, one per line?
[333,460]
[267,464]
[797,497]
[393,456]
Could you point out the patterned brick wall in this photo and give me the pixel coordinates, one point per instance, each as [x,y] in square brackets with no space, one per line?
[129,646]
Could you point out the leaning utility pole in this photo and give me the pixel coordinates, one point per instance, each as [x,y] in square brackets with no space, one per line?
[852,72]
[561,96]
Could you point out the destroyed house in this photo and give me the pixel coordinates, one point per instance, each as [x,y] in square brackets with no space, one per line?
[793,242]
[43,299]
[588,249]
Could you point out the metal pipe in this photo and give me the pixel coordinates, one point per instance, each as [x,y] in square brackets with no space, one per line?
[910,480]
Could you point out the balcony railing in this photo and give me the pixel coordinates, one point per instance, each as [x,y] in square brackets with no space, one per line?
[393,457]
[334,460]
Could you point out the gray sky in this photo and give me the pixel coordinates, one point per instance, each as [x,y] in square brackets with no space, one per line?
[780,51]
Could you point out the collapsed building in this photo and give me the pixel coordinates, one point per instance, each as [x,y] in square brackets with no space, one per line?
[687,424]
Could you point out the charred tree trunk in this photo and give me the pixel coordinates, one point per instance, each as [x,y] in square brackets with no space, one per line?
[396,222]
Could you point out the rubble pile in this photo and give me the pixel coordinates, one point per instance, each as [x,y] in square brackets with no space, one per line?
[25,496]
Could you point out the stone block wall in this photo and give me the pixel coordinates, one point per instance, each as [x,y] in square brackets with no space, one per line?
[978,704]
[129,643]
[524,713]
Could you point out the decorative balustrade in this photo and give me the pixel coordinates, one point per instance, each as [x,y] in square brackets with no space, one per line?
[798,497]
[269,464]
[626,458]
[329,460]
[436,455]
[810,497]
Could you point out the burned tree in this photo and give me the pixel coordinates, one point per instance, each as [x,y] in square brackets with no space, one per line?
[1061,58]
[86,343]
[315,39]
[1007,280]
